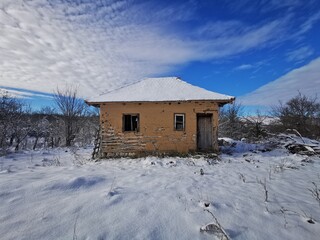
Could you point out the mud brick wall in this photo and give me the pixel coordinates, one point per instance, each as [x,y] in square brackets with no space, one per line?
[156,127]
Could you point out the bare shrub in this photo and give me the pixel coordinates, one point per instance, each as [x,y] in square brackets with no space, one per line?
[72,109]
[14,122]
[255,128]
[301,113]
[230,124]
[78,159]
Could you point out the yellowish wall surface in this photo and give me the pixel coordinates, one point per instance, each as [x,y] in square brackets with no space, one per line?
[156,127]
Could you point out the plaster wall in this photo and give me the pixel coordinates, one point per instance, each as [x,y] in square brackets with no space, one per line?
[156,127]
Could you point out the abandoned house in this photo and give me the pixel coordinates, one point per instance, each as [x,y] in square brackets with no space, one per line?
[158,116]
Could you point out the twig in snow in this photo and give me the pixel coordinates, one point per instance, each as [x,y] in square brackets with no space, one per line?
[217,224]
[283,211]
[242,177]
[111,187]
[315,191]
[270,173]
[74,237]
[310,218]
[264,185]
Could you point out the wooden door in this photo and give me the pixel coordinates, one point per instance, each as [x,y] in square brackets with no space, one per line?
[204,132]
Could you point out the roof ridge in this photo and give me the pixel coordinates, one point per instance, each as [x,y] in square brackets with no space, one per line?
[124,86]
[187,83]
[133,83]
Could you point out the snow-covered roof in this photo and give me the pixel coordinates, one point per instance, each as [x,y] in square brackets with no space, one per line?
[159,90]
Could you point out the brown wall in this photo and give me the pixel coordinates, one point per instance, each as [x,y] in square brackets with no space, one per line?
[156,133]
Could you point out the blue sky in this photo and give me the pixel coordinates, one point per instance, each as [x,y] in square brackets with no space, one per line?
[259,51]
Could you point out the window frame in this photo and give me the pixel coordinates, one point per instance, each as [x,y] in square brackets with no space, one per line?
[131,115]
[183,122]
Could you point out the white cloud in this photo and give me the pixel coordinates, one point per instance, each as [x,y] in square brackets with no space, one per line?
[304,79]
[20,93]
[299,54]
[244,67]
[308,24]
[269,5]
[262,6]
[45,46]
[240,39]
[223,29]
[104,44]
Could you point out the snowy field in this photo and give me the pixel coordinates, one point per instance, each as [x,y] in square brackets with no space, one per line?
[58,194]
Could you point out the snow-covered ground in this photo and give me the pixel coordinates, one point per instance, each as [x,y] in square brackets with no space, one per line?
[57,194]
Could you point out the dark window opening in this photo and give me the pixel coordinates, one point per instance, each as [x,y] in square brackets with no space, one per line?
[179,122]
[131,122]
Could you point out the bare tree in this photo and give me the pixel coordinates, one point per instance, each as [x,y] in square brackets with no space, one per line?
[72,109]
[56,132]
[255,126]
[89,127]
[230,124]
[301,113]
[40,129]
[14,122]
[47,111]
